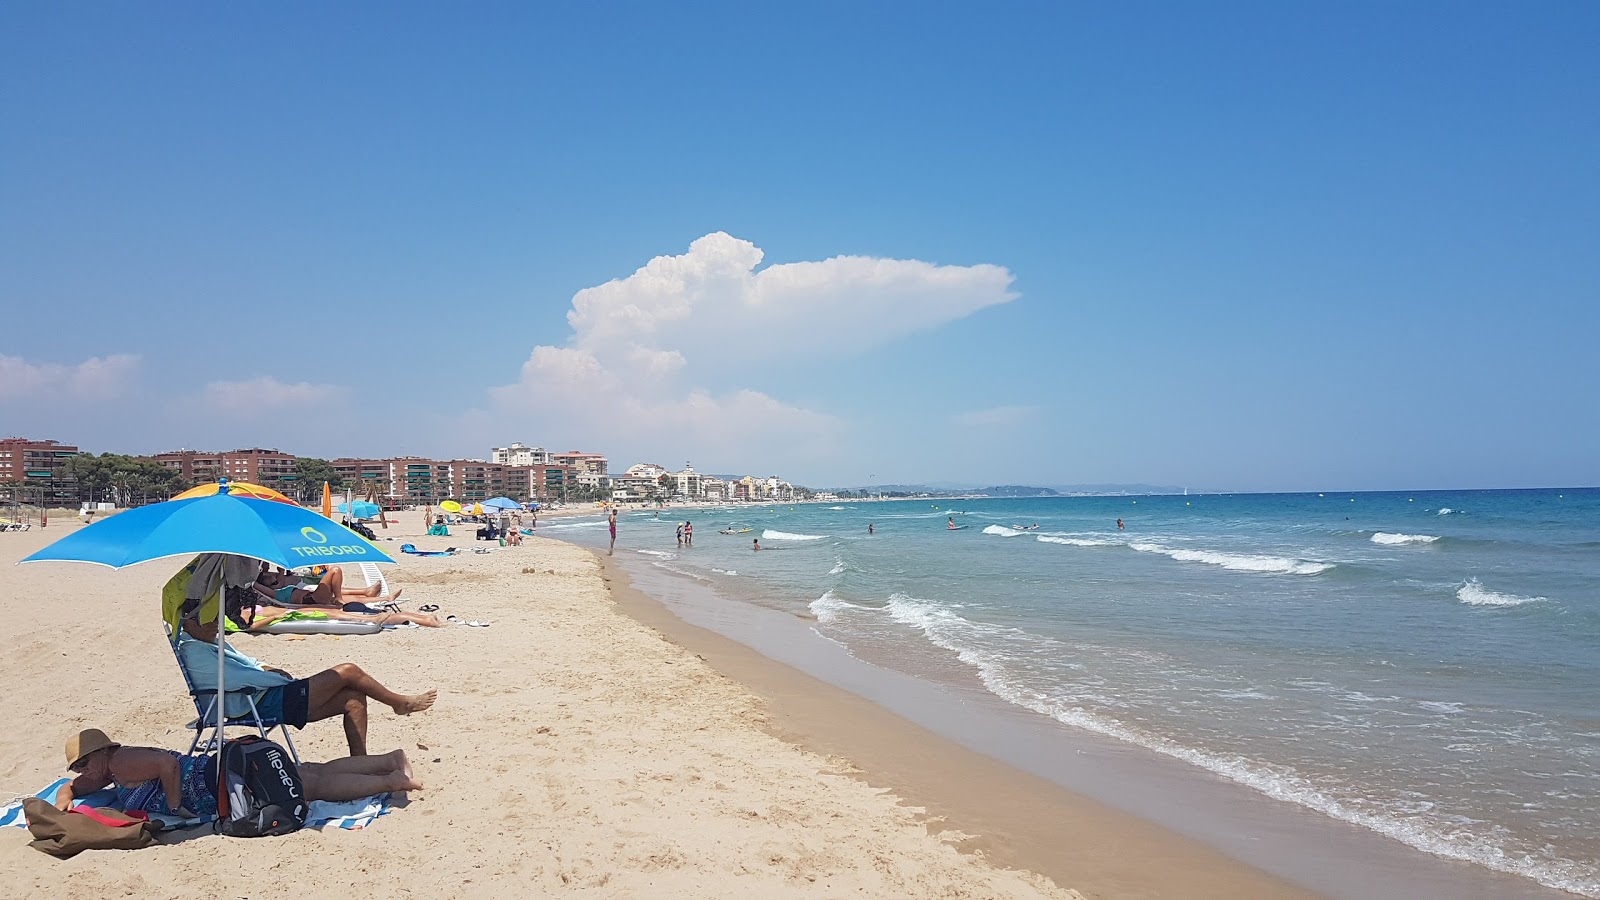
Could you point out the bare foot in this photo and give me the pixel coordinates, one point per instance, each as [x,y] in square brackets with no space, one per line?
[404,763]
[414,703]
[399,781]
[394,596]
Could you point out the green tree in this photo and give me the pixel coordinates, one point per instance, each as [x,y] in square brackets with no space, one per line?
[310,472]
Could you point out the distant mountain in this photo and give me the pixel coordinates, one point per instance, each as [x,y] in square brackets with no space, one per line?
[1117,489]
[1017,490]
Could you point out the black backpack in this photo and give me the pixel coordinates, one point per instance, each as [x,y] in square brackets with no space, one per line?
[264,794]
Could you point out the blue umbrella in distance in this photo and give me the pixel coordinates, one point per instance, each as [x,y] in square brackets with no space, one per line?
[501,503]
[363,509]
[274,532]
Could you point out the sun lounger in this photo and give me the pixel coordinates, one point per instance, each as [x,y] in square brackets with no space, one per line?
[374,575]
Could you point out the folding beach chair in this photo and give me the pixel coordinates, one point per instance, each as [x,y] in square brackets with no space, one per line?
[205,704]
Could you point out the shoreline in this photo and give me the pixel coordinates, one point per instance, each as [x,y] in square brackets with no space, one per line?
[1295,846]
[1014,819]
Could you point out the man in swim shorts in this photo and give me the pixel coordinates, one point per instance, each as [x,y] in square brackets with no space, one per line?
[340,691]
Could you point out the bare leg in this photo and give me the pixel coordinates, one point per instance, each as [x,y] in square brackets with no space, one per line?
[349,676]
[384,764]
[324,783]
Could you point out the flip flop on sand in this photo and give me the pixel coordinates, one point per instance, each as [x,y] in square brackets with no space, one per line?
[428,607]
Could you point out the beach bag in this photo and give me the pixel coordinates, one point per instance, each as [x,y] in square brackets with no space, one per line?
[263,794]
[66,834]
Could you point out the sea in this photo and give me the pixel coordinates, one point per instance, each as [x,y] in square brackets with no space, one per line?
[1424,665]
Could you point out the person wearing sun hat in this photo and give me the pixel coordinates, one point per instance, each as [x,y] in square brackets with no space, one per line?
[156,781]
[164,782]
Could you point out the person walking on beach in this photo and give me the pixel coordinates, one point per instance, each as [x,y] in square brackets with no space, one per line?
[612,521]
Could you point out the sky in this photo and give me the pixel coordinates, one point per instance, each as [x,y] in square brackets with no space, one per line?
[1261,246]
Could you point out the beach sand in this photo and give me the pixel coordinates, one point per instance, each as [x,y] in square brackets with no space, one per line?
[572,750]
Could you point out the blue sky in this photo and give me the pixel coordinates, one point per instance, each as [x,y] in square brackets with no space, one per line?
[1261,247]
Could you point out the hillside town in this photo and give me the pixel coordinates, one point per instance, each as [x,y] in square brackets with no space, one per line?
[51,473]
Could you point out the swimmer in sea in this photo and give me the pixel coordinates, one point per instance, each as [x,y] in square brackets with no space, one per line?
[1119,524]
[755,543]
[870,529]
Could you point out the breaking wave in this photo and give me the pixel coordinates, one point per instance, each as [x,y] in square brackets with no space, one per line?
[1003,531]
[1385,537]
[1476,594]
[974,644]
[770,535]
[1239,562]
[1075,542]
[827,608]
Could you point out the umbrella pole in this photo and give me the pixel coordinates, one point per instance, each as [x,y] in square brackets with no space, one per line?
[222,593]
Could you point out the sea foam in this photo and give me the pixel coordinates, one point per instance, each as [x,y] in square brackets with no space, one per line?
[828,607]
[1239,562]
[1476,594]
[1075,542]
[1386,537]
[1002,531]
[770,535]
[973,644]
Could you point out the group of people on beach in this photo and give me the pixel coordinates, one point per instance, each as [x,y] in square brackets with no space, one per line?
[216,588]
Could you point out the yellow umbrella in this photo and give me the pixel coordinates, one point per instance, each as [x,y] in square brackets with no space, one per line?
[450,506]
[327,501]
[477,509]
[235,489]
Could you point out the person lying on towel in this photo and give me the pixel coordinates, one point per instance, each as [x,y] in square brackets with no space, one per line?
[340,691]
[286,587]
[167,783]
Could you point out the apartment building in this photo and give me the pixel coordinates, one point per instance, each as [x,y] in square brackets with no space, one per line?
[40,464]
[551,481]
[519,454]
[361,472]
[585,463]
[267,467]
[416,481]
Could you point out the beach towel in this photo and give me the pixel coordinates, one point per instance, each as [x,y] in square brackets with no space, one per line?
[411,549]
[350,815]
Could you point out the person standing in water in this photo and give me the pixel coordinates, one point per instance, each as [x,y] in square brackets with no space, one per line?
[1119,525]
[688,534]
[755,543]
[680,534]
[612,521]
[870,529]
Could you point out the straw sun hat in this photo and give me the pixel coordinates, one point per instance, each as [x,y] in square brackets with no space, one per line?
[86,742]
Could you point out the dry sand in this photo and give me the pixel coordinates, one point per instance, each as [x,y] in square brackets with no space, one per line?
[572,750]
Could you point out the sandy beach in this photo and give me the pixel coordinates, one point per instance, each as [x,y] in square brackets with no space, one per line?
[585,741]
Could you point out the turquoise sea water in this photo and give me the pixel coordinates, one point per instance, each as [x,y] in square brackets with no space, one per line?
[1425,665]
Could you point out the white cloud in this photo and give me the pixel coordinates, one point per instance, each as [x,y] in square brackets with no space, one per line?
[642,347]
[96,378]
[268,393]
[994,417]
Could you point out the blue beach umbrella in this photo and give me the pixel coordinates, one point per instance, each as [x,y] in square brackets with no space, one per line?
[501,503]
[363,509]
[273,532]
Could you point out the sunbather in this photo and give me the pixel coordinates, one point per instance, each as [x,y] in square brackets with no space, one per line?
[340,691]
[262,616]
[289,588]
[163,782]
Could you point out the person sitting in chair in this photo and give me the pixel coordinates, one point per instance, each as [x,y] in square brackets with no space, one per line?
[163,782]
[340,691]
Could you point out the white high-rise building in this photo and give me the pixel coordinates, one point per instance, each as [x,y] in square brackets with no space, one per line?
[519,455]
